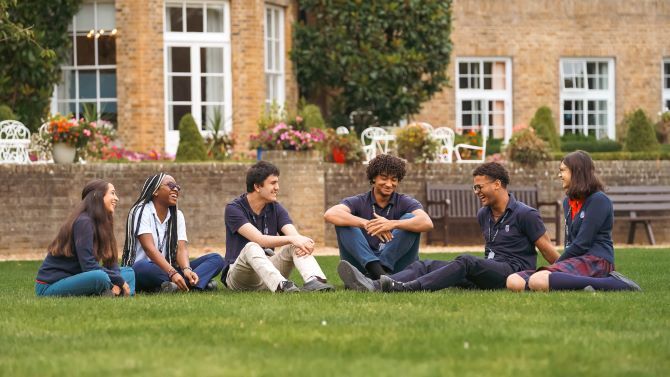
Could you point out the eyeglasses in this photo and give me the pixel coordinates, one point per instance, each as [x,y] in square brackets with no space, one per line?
[477,188]
[173,186]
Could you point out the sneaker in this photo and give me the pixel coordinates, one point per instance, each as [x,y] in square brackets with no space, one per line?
[589,288]
[211,286]
[317,285]
[168,287]
[631,284]
[389,285]
[354,279]
[287,286]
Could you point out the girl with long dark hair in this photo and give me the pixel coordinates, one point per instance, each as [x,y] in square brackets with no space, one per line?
[588,259]
[83,259]
[156,242]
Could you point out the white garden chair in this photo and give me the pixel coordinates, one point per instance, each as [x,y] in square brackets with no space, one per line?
[426,126]
[14,142]
[341,130]
[473,148]
[375,141]
[445,136]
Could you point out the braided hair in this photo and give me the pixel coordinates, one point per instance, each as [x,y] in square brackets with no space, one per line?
[151,185]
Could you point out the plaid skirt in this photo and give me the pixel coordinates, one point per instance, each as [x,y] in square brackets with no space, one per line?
[585,265]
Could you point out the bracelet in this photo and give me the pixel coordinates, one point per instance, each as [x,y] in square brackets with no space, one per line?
[187,268]
[171,273]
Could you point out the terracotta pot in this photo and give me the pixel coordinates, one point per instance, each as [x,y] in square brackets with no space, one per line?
[339,156]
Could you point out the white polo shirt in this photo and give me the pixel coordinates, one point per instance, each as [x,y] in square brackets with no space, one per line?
[150,224]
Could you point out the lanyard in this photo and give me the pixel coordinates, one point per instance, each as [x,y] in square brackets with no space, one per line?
[265,223]
[161,244]
[491,239]
[388,209]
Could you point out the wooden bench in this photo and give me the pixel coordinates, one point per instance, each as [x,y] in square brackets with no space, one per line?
[449,205]
[640,205]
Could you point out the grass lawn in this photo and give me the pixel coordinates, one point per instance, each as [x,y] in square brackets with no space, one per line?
[452,332]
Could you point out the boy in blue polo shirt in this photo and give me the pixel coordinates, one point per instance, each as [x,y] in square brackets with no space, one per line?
[378,231]
[511,230]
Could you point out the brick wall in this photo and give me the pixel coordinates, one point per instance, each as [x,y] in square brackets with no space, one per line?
[536,34]
[37,198]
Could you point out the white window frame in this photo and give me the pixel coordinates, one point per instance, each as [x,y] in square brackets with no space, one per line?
[485,95]
[76,68]
[274,46]
[585,94]
[665,76]
[195,41]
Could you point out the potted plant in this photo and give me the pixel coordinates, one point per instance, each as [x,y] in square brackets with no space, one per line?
[342,149]
[414,143]
[68,137]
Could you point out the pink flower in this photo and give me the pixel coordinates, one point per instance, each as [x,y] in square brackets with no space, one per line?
[87,132]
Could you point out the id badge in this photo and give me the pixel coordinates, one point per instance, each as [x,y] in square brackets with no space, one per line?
[491,255]
[382,245]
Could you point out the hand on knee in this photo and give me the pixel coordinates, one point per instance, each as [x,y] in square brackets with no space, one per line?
[539,281]
[516,283]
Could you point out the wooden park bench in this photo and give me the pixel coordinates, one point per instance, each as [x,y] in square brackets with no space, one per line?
[453,205]
[640,205]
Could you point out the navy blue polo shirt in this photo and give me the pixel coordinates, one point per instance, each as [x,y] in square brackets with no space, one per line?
[272,218]
[512,238]
[362,206]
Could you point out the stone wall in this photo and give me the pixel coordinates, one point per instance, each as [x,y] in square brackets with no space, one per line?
[37,198]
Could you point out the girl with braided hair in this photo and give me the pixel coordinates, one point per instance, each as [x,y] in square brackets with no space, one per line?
[156,240]
[86,239]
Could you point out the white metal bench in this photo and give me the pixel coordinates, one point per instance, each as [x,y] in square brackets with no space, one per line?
[14,142]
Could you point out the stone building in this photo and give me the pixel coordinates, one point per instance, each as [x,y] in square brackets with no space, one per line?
[146,63]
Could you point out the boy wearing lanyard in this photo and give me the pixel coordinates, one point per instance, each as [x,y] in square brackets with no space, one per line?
[511,230]
[378,231]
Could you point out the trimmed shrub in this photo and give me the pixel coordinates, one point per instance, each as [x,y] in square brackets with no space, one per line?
[573,142]
[641,135]
[311,117]
[527,148]
[545,128]
[6,113]
[191,145]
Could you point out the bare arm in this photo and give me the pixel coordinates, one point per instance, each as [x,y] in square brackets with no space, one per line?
[421,222]
[184,263]
[147,242]
[547,248]
[251,233]
[340,215]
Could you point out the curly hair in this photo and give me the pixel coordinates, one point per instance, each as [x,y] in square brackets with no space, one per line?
[385,164]
[494,171]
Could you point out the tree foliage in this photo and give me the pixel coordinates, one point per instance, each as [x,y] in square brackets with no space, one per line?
[33,43]
[383,56]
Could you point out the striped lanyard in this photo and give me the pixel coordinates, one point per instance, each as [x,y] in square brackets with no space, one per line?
[161,244]
[497,228]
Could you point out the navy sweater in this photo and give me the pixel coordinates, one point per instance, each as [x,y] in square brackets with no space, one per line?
[590,233]
[54,268]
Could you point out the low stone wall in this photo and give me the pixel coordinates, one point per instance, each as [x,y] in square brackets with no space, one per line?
[37,198]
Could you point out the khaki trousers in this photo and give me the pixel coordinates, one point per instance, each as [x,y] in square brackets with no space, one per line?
[255,271]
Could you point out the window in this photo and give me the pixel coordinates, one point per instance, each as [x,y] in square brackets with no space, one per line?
[197,66]
[484,95]
[89,76]
[274,55]
[666,85]
[587,97]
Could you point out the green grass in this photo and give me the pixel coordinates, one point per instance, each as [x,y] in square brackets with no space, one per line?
[448,333]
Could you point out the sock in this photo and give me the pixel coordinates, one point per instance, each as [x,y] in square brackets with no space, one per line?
[559,281]
[375,269]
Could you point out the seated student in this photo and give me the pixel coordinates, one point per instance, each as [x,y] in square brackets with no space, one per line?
[156,243]
[255,224]
[511,232]
[588,259]
[378,232]
[86,239]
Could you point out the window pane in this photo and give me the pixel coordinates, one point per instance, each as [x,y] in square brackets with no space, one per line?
[211,89]
[85,18]
[667,68]
[194,19]
[87,87]
[180,89]
[208,116]
[107,83]
[175,19]
[268,23]
[179,59]
[463,83]
[466,105]
[66,107]
[488,68]
[106,50]
[467,120]
[85,50]
[176,113]
[487,83]
[66,88]
[106,16]
[211,60]
[214,19]
[108,111]
[462,68]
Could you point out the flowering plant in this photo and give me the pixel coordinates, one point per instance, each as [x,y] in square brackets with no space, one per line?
[285,137]
[471,137]
[415,144]
[342,148]
[120,154]
[663,126]
[69,130]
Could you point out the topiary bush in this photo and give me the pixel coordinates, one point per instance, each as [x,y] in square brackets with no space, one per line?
[311,117]
[588,143]
[545,128]
[191,145]
[6,113]
[641,135]
[527,148]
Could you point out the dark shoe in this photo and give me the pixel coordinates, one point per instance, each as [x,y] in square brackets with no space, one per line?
[287,286]
[631,284]
[389,285]
[211,286]
[317,285]
[354,279]
[168,287]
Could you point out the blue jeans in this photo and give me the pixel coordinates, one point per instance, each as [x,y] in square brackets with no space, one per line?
[85,284]
[150,276]
[402,251]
